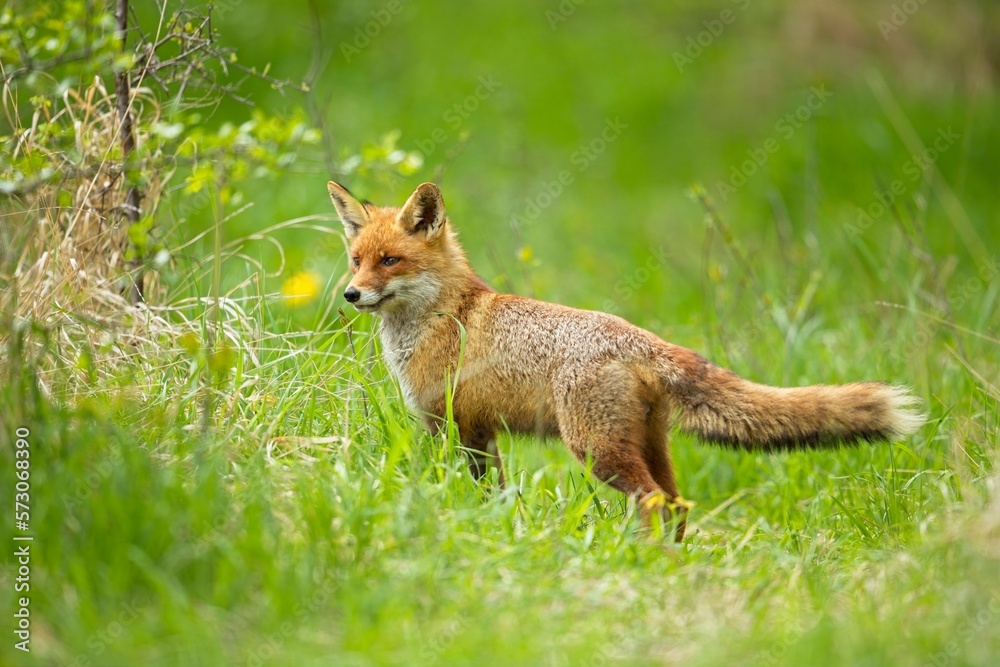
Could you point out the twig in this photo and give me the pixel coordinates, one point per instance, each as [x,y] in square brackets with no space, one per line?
[718,224]
[317,111]
[349,328]
[133,198]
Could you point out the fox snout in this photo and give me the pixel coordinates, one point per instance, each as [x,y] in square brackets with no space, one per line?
[366,299]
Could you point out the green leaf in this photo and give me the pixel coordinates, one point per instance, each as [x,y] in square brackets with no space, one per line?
[167,130]
[138,233]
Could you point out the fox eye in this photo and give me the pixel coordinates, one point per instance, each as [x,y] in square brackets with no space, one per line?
[357,261]
[390,261]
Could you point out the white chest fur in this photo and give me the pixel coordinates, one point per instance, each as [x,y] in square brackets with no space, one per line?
[398,343]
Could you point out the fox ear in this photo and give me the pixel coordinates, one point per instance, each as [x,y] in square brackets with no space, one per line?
[423,213]
[351,212]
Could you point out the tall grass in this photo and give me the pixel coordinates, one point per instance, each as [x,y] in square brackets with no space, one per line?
[236,489]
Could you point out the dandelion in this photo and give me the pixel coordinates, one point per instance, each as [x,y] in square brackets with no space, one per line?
[300,288]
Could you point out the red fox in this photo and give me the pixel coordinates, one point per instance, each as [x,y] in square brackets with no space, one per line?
[610,390]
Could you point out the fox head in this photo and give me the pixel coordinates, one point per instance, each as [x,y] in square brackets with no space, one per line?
[401,258]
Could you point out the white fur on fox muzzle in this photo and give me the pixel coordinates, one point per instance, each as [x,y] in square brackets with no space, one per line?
[369,300]
[402,293]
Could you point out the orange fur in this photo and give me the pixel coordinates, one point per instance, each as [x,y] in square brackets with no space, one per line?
[610,390]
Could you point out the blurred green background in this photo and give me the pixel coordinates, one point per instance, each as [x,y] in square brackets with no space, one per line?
[498,100]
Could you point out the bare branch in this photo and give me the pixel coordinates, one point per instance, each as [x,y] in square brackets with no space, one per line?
[133,199]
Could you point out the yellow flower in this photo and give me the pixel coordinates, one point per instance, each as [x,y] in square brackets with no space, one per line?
[300,288]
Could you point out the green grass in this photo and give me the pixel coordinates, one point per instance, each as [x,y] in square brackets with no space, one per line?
[310,520]
[271,502]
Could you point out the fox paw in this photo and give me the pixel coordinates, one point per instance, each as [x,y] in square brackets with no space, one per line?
[654,501]
[681,503]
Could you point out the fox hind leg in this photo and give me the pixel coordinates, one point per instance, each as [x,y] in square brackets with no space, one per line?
[605,419]
[656,452]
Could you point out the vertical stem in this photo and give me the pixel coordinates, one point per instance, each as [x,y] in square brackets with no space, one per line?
[133,198]
[216,337]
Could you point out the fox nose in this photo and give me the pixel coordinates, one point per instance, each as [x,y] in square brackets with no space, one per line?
[352,294]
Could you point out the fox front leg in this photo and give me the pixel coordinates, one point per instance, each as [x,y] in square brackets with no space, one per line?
[481,447]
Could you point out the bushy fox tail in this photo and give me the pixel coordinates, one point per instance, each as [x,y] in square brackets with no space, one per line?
[721,407]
